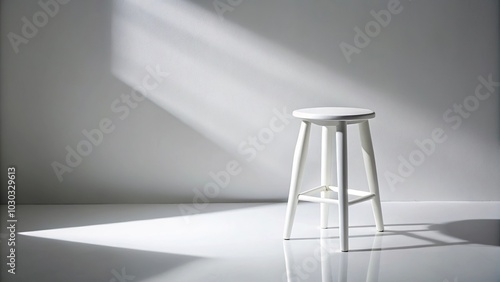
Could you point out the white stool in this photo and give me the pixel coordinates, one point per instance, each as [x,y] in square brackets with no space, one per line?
[339,118]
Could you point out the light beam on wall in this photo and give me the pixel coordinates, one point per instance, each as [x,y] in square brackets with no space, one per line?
[224,80]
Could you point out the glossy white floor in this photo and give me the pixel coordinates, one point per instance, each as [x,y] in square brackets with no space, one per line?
[242,242]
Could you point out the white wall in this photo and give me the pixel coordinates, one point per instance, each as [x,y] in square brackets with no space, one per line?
[229,72]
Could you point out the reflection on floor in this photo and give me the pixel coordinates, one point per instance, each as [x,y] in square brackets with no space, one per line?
[430,241]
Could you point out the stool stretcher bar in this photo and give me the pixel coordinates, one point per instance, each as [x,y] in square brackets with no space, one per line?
[353,192]
[314,199]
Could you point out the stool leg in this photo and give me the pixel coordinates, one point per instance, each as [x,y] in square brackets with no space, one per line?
[341,135]
[299,159]
[371,172]
[326,171]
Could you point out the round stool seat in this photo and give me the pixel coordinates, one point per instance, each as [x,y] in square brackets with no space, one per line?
[333,114]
